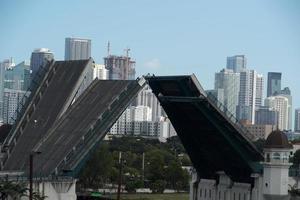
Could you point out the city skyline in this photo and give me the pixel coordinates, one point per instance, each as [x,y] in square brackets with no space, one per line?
[162,41]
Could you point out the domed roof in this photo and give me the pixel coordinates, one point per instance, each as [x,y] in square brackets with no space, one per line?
[277,139]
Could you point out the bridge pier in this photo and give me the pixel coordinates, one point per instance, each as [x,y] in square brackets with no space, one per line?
[56,189]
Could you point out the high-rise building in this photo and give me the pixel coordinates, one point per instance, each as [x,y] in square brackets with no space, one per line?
[147,98]
[6,64]
[218,94]
[17,77]
[280,104]
[229,81]
[142,113]
[77,49]
[11,100]
[274,83]
[286,92]
[39,57]
[136,121]
[236,63]
[247,95]
[120,67]
[297,120]
[259,90]
[266,116]
[100,72]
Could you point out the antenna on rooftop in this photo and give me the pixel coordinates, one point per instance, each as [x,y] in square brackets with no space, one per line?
[127,52]
[108,48]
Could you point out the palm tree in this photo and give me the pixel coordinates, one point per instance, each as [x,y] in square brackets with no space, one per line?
[12,189]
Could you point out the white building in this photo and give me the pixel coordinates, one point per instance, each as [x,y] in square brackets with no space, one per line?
[100,72]
[271,184]
[250,94]
[39,57]
[281,105]
[230,82]
[137,121]
[11,100]
[259,90]
[142,113]
[147,98]
[77,49]
[159,129]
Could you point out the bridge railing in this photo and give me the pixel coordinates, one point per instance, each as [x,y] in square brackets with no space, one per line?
[231,117]
[22,107]
[85,146]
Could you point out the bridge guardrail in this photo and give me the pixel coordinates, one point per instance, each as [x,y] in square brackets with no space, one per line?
[22,107]
[91,137]
[231,117]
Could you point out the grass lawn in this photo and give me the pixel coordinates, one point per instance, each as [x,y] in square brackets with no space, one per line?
[181,196]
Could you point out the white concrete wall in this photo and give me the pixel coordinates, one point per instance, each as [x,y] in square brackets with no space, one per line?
[207,189]
[55,190]
[275,180]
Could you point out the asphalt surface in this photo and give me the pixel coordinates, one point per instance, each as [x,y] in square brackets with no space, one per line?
[53,100]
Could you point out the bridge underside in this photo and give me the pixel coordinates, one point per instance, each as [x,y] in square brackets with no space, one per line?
[213,142]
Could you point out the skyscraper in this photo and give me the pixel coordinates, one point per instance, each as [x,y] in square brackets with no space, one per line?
[120,67]
[297,120]
[218,94]
[147,98]
[274,83]
[230,82]
[77,49]
[6,64]
[286,92]
[17,77]
[39,57]
[281,105]
[236,63]
[247,95]
[259,90]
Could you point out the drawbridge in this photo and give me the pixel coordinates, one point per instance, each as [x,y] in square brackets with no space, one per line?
[66,125]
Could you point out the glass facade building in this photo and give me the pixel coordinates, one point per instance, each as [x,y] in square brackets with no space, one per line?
[274,83]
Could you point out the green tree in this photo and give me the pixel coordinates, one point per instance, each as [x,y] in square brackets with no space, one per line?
[155,165]
[296,158]
[98,169]
[14,190]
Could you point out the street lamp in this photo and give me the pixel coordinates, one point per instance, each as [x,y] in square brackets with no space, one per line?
[31,155]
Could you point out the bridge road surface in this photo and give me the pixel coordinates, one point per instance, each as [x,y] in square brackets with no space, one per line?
[47,110]
[76,123]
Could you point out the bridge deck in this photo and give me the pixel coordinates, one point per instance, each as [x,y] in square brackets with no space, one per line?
[54,98]
[213,142]
[77,122]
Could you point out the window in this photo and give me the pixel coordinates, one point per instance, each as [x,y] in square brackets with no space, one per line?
[276,156]
[268,157]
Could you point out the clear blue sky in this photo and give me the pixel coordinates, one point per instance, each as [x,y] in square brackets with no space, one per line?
[165,36]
